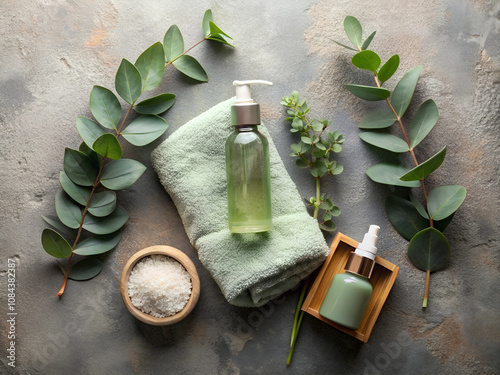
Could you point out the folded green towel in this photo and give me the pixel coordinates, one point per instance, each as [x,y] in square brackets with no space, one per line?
[250,269]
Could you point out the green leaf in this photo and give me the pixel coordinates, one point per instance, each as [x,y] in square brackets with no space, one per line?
[67,211]
[155,105]
[317,126]
[85,269]
[218,35]
[207,17]
[93,156]
[107,224]
[423,122]
[189,66]
[386,141]
[368,40]
[421,210]
[442,201]
[128,82]
[441,225]
[367,60]
[318,169]
[107,145]
[173,43]
[55,244]
[388,69]
[386,173]
[306,140]
[353,30]
[78,193]
[103,203]
[301,163]
[338,169]
[378,119]
[328,226]
[98,244]
[429,250]
[404,217]
[343,45]
[404,90]
[145,129]
[151,65]
[105,107]
[120,174]
[56,223]
[335,211]
[426,168]
[88,130]
[369,93]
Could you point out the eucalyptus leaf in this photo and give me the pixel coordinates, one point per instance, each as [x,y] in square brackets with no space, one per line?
[318,169]
[429,250]
[386,173]
[67,210]
[328,226]
[207,17]
[421,210]
[107,224]
[56,223]
[107,145]
[443,201]
[85,269]
[120,174]
[145,129]
[93,156]
[404,217]
[378,119]
[103,203]
[173,43]
[423,122]
[388,69]
[403,92]
[88,130]
[189,66]
[78,193]
[353,30]
[367,60]
[218,35]
[338,169]
[55,244]
[105,107]
[98,244]
[155,105]
[368,40]
[426,168]
[128,82]
[386,141]
[301,163]
[151,66]
[369,93]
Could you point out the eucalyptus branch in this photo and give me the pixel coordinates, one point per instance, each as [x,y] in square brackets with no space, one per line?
[422,225]
[98,162]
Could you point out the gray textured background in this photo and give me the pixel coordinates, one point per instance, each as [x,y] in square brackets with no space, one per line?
[54,51]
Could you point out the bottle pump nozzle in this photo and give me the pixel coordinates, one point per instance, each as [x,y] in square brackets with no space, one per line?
[368,248]
[245,111]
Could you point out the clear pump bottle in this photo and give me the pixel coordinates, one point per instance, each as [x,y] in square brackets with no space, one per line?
[348,295]
[247,166]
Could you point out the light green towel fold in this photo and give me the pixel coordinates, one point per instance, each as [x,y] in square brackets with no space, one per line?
[250,269]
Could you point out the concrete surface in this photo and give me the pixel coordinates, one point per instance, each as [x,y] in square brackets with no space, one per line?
[54,51]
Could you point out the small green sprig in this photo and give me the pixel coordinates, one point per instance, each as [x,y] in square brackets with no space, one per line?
[89,221]
[314,151]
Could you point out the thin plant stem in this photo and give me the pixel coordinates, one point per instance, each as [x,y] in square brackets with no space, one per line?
[426,292]
[318,197]
[297,321]
[186,51]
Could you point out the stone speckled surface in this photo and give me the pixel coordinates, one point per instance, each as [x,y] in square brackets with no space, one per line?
[54,51]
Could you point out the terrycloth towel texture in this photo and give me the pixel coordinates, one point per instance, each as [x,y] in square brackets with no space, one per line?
[250,269]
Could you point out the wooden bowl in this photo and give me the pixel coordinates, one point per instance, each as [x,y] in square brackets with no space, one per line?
[180,257]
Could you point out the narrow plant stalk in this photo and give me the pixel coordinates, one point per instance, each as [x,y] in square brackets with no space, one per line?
[318,197]
[186,51]
[426,292]
[297,321]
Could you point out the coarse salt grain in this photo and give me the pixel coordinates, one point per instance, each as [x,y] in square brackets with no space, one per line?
[159,285]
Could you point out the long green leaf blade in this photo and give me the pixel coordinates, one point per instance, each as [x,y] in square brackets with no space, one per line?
[120,174]
[88,130]
[389,174]
[55,244]
[353,30]
[426,117]
[67,211]
[107,224]
[155,105]
[443,201]
[105,107]
[107,146]
[426,168]
[404,216]
[378,119]
[368,40]
[404,90]
[189,66]
[429,250]
[128,82]
[388,69]
[386,141]
[85,269]
[151,66]
[369,93]
[207,17]
[103,203]
[98,244]
[173,43]
[78,193]
[421,210]
[145,129]
[367,60]
[79,167]
[54,221]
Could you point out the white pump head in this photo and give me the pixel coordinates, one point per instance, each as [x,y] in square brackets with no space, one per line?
[243,92]
[368,248]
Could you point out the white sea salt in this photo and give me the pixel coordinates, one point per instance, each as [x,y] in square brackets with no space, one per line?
[159,285]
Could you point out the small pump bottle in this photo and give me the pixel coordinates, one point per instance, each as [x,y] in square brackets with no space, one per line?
[347,297]
[247,166]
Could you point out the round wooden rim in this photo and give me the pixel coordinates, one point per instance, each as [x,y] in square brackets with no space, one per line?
[182,259]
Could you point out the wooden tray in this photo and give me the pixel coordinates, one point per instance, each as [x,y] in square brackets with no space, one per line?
[382,279]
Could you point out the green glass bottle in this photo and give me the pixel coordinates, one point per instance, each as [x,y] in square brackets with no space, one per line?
[247,167]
